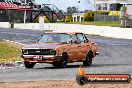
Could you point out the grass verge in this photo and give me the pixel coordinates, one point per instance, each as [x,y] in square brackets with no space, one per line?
[112,24]
[9,51]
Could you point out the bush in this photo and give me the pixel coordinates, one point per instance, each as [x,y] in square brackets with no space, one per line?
[123,8]
[89,16]
[45,19]
[68,19]
[114,13]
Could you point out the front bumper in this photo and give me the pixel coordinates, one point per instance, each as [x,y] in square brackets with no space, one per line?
[97,53]
[41,58]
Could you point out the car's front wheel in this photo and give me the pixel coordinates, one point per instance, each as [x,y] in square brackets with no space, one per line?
[29,64]
[55,64]
[63,61]
[88,60]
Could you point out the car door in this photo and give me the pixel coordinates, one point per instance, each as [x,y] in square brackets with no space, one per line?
[84,46]
[74,52]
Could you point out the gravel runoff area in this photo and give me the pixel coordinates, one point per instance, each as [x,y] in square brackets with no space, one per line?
[59,84]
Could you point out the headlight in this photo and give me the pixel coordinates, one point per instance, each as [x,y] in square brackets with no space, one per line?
[53,52]
[24,51]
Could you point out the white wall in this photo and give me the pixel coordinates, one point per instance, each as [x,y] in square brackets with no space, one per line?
[33,26]
[5,24]
[115,32]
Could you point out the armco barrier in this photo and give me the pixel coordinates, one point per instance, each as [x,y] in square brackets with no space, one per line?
[115,32]
[4,24]
[32,26]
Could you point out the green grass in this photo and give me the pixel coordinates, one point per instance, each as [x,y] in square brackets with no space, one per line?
[9,52]
[113,24]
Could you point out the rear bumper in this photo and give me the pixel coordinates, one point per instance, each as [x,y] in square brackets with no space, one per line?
[41,58]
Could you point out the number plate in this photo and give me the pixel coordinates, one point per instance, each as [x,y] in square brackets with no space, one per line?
[38,57]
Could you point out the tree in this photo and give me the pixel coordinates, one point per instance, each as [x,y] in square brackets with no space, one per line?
[89,16]
[68,19]
[71,10]
[86,10]
[74,9]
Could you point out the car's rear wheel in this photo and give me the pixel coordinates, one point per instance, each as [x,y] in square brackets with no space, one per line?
[29,64]
[88,60]
[63,61]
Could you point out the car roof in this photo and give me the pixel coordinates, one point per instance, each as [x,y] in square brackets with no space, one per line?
[65,32]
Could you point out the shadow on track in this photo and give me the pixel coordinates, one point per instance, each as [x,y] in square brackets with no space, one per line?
[77,66]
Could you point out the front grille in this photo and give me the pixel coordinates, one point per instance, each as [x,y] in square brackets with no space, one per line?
[38,52]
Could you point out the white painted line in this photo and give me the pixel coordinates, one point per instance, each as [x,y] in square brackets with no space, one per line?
[13,42]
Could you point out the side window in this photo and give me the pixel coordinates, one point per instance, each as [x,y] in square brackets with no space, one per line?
[80,38]
[64,38]
[85,39]
[74,39]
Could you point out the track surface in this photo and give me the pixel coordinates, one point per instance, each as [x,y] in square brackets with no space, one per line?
[115,57]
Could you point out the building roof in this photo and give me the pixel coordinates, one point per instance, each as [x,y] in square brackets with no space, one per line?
[111,1]
[78,14]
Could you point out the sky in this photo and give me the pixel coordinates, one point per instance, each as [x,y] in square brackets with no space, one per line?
[63,4]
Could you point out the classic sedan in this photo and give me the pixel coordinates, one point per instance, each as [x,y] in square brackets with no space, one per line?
[59,49]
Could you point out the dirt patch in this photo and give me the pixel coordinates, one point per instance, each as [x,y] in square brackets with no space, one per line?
[59,84]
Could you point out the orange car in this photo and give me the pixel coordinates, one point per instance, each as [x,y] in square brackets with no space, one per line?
[59,49]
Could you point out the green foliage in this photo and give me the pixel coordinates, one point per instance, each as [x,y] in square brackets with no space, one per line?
[71,10]
[68,19]
[9,52]
[89,16]
[124,8]
[114,13]
[113,24]
[45,19]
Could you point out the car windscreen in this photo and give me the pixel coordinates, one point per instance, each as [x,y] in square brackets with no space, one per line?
[55,37]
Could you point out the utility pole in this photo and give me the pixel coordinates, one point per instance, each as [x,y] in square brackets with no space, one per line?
[78,17]
[78,6]
[93,4]
[25,14]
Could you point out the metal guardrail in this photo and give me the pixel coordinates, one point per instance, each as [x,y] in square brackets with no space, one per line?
[104,18]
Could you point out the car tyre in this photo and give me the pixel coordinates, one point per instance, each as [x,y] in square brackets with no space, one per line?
[88,60]
[29,64]
[63,61]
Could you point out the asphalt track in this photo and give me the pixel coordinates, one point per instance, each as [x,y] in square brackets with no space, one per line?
[115,58]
